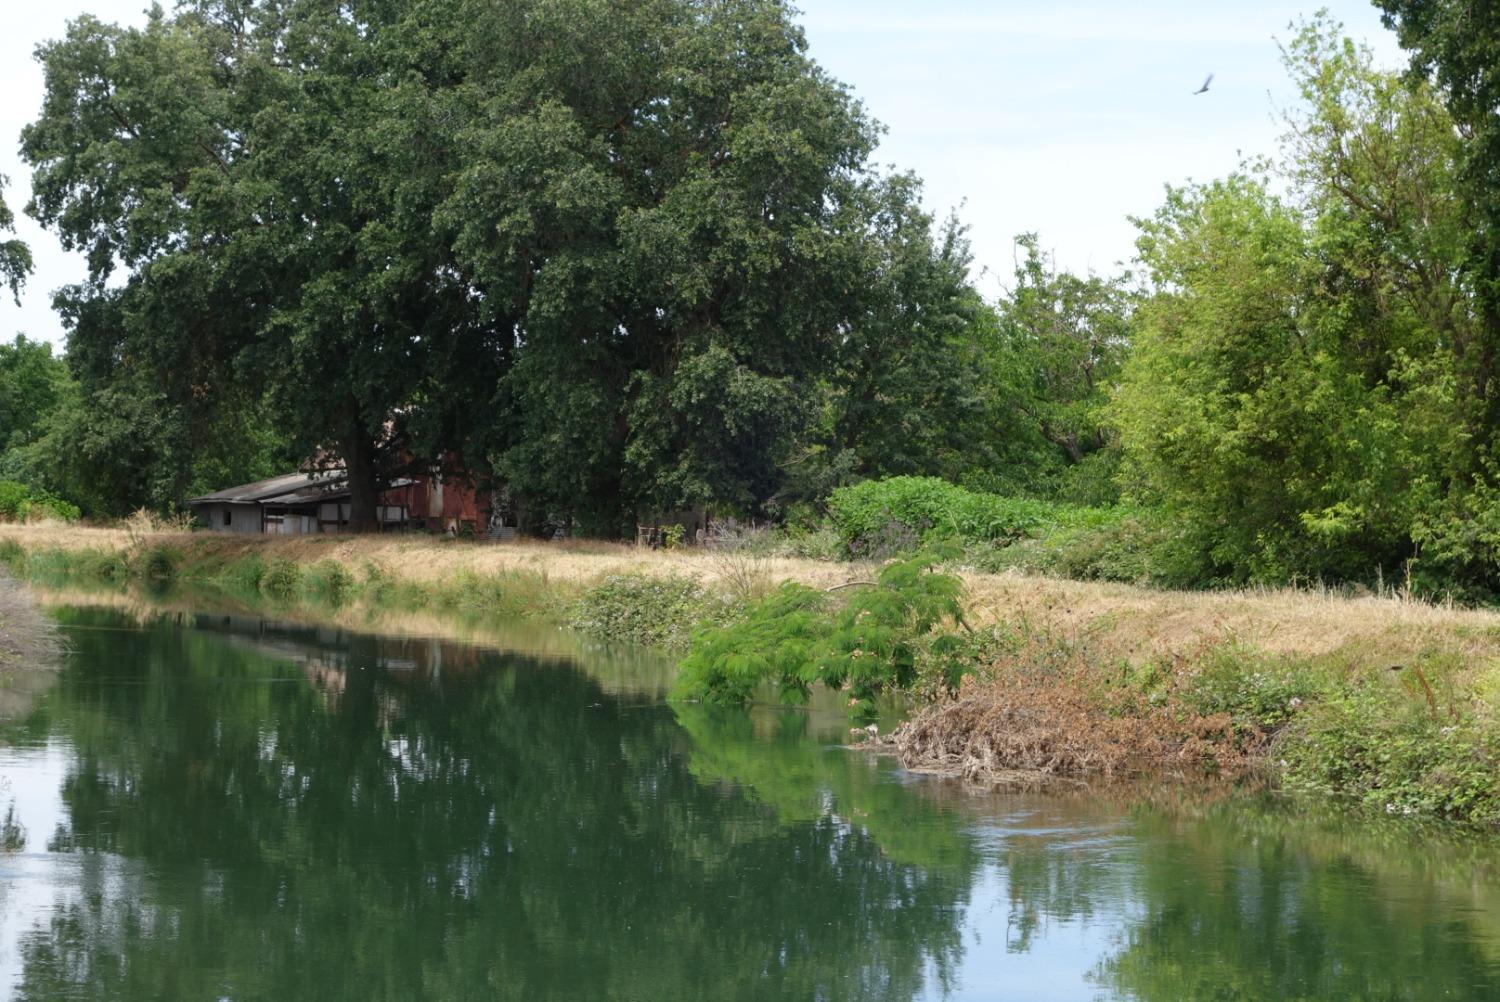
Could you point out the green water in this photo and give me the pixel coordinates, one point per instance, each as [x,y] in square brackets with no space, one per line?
[219,808]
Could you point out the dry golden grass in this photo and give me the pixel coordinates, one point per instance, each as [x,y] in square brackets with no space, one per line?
[1140,623]
[1121,621]
[421,559]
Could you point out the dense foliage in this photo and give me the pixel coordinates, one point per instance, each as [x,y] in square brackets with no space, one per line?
[15,256]
[864,644]
[21,503]
[1301,393]
[636,258]
[901,513]
[616,256]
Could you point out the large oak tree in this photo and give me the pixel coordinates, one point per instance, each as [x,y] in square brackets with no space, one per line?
[608,251]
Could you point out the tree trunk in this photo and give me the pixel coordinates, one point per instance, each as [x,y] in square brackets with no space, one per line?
[364,481]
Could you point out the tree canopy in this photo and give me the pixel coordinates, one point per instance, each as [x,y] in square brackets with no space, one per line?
[15,256]
[1301,389]
[604,252]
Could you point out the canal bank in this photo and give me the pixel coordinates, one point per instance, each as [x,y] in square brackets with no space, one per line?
[1383,704]
[227,806]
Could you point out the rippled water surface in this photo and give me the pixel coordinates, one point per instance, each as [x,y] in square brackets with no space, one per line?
[209,807]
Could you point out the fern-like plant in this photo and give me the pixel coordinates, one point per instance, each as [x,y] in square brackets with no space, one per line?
[864,644]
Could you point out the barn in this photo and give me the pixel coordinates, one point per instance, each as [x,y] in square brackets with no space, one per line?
[305,503]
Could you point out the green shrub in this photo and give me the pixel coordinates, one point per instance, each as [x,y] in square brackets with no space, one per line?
[818,543]
[244,574]
[1396,759]
[1256,691]
[881,517]
[19,503]
[13,497]
[651,610]
[51,506]
[509,594]
[1135,546]
[282,579]
[1458,547]
[158,563]
[331,581]
[104,566]
[868,642]
[777,640]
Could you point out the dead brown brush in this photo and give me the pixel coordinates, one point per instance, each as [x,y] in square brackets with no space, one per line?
[1064,730]
[1050,708]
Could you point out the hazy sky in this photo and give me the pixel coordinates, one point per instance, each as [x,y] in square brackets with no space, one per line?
[1062,118]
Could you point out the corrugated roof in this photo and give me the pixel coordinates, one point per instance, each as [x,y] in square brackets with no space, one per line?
[324,490]
[315,485]
[289,488]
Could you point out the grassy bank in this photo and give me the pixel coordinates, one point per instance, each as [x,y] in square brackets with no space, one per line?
[613,591]
[1385,703]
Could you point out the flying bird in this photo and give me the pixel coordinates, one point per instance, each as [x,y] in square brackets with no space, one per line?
[1207,80]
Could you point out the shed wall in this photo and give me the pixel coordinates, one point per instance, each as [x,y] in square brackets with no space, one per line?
[242,517]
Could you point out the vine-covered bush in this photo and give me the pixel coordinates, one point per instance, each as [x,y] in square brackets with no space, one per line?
[647,609]
[864,641]
[1399,758]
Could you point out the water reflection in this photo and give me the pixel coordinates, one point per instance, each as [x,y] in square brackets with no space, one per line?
[349,822]
[221,806]
[1298,907]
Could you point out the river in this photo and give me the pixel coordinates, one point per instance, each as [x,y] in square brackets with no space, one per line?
[227,807]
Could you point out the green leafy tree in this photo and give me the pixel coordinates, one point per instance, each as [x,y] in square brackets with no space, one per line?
[1060,345]
[1456,46]
[261,173]
[612,252]
[33,385]
[15,256]
[674,207]
[1293,394]
[907,395]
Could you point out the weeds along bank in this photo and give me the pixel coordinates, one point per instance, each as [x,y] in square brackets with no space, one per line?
[1387,704]
[611,590]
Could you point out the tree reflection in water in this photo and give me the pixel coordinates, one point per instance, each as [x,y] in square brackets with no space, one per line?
[332,817]
[262,812]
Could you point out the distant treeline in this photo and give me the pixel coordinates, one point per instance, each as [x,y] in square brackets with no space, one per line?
[637,257]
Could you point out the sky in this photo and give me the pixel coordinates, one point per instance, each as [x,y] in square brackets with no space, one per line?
[1062,118]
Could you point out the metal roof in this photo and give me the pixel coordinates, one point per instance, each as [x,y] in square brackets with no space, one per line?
[315,486]
[289,488]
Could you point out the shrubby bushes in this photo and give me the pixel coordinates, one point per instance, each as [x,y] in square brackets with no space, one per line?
[20,503]
[1309,390]
[870,640]
[1400,749]
[646,609]
[879,517]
